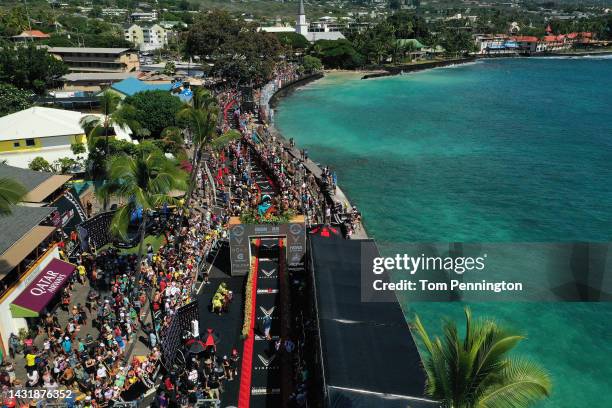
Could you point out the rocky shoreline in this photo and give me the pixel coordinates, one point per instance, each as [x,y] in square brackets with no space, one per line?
[400,69]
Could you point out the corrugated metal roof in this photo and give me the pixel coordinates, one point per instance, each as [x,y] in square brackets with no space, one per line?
[89,50]
[95,76]
[40,122]
[19,223]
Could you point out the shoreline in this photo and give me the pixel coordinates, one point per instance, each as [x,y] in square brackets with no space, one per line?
[573,54]
[311,166]
[398,70]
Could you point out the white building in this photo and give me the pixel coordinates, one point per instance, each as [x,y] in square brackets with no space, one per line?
[114,12]
[44,132]
[146,37]
[321,30]
[144,16]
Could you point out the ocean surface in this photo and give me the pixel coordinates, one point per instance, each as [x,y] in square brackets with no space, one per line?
[505,150]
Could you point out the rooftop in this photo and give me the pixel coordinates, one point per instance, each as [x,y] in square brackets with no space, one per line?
[313,36]
[39,184]
[40,122]
[32,34]
[131,86]
[19,223]
[89,50]
[93,76]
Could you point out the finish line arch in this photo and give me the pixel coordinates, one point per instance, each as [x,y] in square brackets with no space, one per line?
[240,236]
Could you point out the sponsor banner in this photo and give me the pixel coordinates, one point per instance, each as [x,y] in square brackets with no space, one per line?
[37,295]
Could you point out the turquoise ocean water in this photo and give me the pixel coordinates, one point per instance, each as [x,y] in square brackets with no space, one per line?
[507,150]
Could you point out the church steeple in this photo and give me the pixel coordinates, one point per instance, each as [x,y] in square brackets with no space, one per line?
[301,27]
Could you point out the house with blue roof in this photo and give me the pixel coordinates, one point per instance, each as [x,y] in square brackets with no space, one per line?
[131,86]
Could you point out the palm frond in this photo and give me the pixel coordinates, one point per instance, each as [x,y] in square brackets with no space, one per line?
[11,192]
[121,221]
[522,382]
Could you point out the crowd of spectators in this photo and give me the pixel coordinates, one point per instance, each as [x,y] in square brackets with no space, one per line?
[97,364]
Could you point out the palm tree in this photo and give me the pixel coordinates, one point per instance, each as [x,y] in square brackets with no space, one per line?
[201,118]
[112,114]
[173,140]
[143,181]
[476,371]
[11,192]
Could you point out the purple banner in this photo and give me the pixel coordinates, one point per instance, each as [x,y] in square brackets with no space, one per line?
[45,286]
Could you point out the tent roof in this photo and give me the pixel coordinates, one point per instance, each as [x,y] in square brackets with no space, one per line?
[39,122]
[369,356]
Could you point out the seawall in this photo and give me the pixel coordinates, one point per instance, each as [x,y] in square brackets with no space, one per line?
[291,86]
[312,167]
[397,70]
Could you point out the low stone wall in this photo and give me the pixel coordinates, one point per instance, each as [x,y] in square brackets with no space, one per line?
[291,86]
[396,70]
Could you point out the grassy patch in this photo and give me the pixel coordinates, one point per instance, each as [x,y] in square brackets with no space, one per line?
[155,240]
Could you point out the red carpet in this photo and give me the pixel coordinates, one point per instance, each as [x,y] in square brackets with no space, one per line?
[244,396]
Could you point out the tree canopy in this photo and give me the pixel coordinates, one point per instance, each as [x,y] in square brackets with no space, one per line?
[153,110]
[479,370]
[236,49]
[13,99]
[292,40]
[30,67]
[337,54]
[11,193]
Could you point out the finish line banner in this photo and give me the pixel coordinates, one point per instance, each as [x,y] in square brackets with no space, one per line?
[477,272]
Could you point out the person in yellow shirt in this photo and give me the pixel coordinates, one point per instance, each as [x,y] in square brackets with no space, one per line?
[82,272]
[217,305]
[30,361]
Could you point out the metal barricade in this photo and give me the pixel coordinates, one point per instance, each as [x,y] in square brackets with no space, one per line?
[208,403]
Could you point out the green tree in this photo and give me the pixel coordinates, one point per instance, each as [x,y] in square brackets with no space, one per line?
[292,40]
[312,64]
[63,165]
[40,164]
[143,181]
[201,119]
[13,21]
[13,99]
[170,68]
[225,139]
[477,371]
[98,127]
[11,192]
[337,54]
[376,43]
[30,67]
[152,110]
[96,12]
[172,141]
[237,50]
[78,148]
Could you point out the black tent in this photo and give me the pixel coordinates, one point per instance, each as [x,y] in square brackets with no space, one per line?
[368,354]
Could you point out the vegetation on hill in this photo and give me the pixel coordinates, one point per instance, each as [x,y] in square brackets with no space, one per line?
[232,48]
[29,67]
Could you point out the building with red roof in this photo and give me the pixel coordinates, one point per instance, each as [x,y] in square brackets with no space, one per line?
[31,35]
